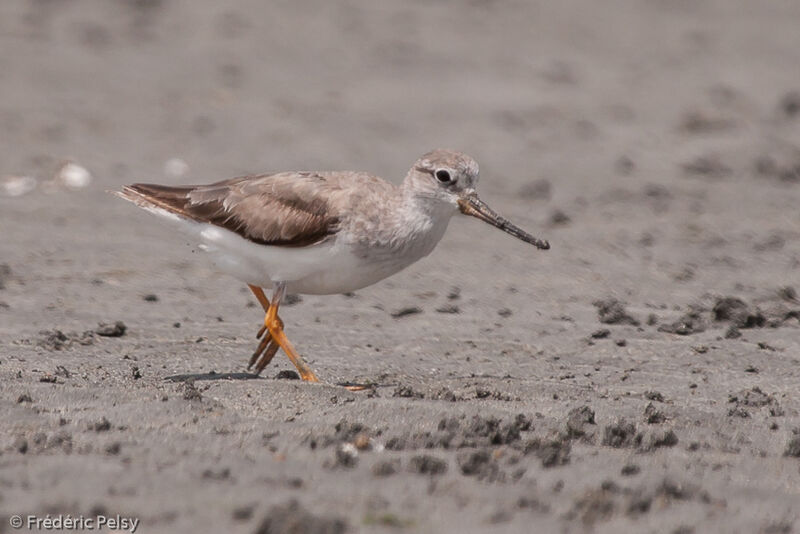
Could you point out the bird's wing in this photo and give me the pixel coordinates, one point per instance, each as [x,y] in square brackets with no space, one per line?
[291,209]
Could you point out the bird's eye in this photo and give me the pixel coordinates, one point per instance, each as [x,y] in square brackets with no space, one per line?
[443,175]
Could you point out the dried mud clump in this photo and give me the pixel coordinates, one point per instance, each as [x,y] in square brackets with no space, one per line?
[405,312]
[425,464]
[753,398]
[117,329]
[655,439]
[612,311]
[594,506]
[58,340]
[793,446]
[481,464]
[655,396]
[603,503]
[691,322]
[552,452]
[407,392]
[346,457]
[621,434]
[294,518]
[652,415]
[287,374]
[735,311]
[385,468]
[580,422]
[343,432]
[190,392]
[459,433]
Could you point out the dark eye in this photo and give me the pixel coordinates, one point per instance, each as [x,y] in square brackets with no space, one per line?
[443,175]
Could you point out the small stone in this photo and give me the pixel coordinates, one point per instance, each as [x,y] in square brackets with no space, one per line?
[403,312]
[151,297]
[21,445]
[733,333]
[292,299]
[16,186]
[612,311]
[362,442]
[102,425]
[578,420]
[603,333]
[111,330]
[654,396]
[657,439]
[630,470]
[73,175]
[287,374]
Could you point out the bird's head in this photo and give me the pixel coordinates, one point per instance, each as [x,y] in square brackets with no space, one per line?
[450,178]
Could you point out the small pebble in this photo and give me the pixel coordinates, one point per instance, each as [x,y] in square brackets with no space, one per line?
[16,186]
[73,176]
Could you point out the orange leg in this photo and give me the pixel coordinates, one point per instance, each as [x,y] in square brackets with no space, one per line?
[272,337]
[266,347]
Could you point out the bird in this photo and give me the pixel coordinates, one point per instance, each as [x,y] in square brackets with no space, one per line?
[321,233]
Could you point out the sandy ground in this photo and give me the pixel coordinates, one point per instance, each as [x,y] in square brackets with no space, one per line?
[655,144]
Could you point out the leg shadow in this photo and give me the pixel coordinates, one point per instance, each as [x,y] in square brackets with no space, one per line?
[212,376]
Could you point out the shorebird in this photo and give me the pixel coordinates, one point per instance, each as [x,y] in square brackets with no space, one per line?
[321,233]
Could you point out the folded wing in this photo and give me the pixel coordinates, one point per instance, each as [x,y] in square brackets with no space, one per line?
[285,209]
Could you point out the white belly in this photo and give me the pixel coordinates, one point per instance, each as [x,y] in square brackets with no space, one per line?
[336,266]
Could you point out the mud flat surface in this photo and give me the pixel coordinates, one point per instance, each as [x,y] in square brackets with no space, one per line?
[641,376]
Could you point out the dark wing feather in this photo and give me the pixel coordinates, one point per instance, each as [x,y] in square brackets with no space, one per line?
[286,209]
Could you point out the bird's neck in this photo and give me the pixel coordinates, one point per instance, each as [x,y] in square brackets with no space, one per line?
[422,221]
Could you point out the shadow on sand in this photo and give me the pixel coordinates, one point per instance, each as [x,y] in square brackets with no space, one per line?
[213,376]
